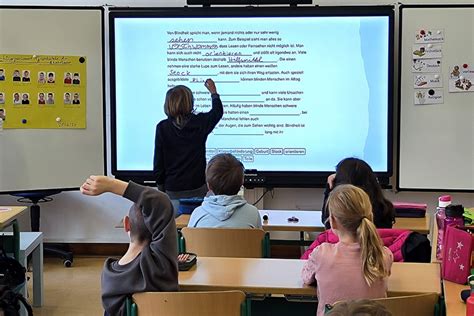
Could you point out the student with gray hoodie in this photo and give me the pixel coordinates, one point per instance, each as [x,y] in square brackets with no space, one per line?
[224,208]
[150,263]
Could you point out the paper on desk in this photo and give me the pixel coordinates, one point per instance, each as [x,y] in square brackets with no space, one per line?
[5,209]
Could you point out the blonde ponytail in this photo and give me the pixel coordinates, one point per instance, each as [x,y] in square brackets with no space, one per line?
[352,208]
[372,253]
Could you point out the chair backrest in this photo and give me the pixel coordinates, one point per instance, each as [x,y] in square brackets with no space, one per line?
[225,242]
[419,304]
[229,303]
[409,304]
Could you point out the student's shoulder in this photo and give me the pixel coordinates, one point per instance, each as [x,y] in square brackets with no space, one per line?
[163,123]
[139,193]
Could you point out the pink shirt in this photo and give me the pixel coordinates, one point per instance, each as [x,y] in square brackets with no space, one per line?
[337,269]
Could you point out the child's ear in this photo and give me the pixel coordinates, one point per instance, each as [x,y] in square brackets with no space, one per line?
[126,223]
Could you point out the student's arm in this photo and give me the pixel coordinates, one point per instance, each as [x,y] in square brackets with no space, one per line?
[156,207]
[96,185]
[158,161]
[215,114]
[309,269]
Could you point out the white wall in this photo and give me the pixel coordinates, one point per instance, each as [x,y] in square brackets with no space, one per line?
[75,218]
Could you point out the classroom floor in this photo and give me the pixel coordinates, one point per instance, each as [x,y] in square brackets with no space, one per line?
[71,291]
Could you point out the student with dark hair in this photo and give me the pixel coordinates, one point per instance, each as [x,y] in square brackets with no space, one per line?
[150,263]
[180,143]
[357,172]
[225,208]
[2,75]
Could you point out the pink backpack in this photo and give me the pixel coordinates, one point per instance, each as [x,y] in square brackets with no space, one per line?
[457,250]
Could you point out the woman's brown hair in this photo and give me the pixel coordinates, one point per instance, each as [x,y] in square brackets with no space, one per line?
[179,103]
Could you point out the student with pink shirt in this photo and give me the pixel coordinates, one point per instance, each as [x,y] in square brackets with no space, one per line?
[357,267]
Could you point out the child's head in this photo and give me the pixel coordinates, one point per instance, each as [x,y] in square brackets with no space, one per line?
[359,308]
[350,213]
[179,103]
[135,224]
[224,174]
[357,172]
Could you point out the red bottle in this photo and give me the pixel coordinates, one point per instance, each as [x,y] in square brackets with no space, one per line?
[470,299]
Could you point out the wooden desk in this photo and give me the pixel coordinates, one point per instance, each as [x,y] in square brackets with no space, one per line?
[182,221]
[283,276]
[8,216]
[310,221]
[420,225]
[452,298]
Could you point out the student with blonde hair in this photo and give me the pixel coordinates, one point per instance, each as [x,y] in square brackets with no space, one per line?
[180,143]
[358,265]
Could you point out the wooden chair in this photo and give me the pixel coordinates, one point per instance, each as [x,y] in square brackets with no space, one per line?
[416,304]
[229,303]
[225,242]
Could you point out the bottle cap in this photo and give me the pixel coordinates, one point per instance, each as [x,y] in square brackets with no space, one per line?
[454,210]
[444,200]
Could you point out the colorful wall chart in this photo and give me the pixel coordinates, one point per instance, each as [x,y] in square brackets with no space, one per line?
[43,91]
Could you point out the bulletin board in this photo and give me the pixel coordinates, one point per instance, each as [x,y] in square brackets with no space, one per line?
[436,110]
[51,94]
[43,91]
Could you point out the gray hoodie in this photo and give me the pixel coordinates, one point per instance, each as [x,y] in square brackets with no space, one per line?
[225,211]
[156,267]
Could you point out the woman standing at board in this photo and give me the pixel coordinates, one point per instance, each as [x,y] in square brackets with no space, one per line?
[180,143]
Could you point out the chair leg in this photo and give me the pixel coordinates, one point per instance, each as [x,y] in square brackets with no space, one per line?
[38,276]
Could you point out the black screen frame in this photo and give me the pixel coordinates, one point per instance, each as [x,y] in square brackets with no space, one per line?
[254,178]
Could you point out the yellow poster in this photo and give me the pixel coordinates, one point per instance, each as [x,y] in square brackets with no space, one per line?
[43,91]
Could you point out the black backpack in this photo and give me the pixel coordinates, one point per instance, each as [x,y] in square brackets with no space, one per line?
[10,302]
[12,274]
[416,248]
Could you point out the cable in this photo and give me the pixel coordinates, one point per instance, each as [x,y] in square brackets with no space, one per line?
[261,197]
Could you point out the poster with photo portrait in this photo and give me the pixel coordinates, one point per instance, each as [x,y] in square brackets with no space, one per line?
[42,77]
[51,77]
[25,98]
